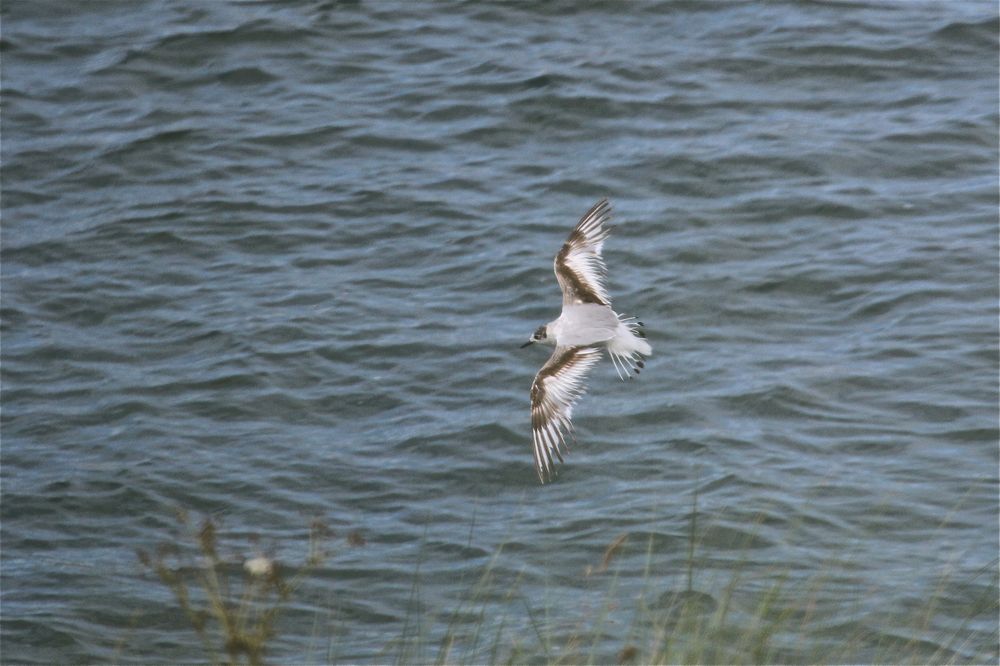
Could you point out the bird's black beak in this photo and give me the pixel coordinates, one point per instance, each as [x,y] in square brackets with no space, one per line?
[526,344]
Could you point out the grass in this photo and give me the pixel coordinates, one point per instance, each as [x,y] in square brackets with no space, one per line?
[233,609]
[752,616]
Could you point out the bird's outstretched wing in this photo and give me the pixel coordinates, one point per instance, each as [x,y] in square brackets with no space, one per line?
[553,393]
[579,267]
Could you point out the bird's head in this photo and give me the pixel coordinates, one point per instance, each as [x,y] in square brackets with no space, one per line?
[540,335]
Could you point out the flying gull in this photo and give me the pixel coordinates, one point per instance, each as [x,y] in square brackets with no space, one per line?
[586,325]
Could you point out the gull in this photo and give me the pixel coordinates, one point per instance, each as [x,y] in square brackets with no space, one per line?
[587,324]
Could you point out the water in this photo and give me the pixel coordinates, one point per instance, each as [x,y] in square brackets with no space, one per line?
[273,262]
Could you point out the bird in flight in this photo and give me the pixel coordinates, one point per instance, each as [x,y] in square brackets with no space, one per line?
[586,325]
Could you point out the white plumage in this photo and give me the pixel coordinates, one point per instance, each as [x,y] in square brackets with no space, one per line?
[586,324]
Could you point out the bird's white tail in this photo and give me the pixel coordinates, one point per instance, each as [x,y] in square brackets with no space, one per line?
[628,346]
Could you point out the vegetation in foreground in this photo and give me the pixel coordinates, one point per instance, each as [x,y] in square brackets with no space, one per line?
[234,610]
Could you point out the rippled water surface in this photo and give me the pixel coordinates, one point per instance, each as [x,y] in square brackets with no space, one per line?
[272,263]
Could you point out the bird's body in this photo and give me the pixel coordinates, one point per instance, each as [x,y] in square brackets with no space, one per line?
[587,324]
[592,324]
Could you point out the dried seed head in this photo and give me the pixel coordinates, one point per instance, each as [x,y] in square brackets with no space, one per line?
[259,566]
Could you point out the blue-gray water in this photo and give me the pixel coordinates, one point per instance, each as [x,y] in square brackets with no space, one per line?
[273,262]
